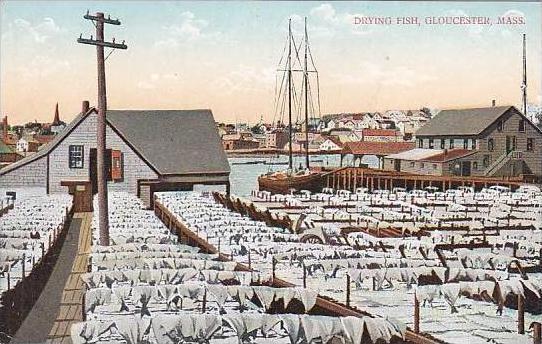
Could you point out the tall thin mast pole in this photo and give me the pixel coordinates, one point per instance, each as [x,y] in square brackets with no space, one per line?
[524,84]
[306,76]
[290,160]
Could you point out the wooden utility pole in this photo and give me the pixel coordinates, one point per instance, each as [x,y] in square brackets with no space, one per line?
[99,20]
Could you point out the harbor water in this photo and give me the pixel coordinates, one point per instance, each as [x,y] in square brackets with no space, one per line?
[245,170]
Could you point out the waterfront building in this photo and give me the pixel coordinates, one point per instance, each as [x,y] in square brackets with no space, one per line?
[331,144]
[496,141]
[277,138]
[239,141]
[148,150]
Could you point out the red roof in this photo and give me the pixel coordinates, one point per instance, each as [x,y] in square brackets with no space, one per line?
[377,148]
[448,155]
[335,140]
[43,139]
[381,132]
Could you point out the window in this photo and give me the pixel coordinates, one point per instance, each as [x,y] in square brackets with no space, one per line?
[434,166]
[431,143]
[475,165]
[465,144]
[76,156]
[451,143]
[521,125]
[422,165]
[442,144]
[486,161]
[490,145]
[412,164]
[473,142]
[420,143]
[499,125]
[530,144]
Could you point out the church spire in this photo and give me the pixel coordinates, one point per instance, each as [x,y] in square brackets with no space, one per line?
[56,121]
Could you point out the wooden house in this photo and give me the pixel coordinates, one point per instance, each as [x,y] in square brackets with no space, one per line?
[494,141]
[147,151]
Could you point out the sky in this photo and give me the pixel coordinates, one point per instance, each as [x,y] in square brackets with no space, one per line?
[224,56]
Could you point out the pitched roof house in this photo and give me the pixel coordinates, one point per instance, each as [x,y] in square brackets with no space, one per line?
[503,142]
[150,150]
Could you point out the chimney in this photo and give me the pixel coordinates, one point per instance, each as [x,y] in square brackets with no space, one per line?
[85,106]
[5,128]
[493,103]
[56,120]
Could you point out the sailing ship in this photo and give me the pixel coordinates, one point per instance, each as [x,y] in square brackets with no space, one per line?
[288,181]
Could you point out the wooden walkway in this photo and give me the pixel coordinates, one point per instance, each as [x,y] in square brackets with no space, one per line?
[71,305]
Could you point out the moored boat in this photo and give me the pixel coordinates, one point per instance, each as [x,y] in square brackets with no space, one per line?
[290,180]
[281,182]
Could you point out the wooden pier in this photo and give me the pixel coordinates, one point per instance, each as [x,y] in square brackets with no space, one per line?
[351,178]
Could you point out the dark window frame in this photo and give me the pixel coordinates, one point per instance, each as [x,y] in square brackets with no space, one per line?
[491,144]
[521,126]
[500,125]
[431,143]
[452,143]
[442,143]
[465,143]
[486,161]
[71,159]
[530,144]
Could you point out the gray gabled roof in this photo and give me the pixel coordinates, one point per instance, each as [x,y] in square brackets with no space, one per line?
[462,121]
[48,147]
[173,141]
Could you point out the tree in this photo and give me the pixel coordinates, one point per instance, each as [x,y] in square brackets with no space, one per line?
[426,111]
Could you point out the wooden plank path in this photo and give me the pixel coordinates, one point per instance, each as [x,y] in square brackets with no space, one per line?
[71,305]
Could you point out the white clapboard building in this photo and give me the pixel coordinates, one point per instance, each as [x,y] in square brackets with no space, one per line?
[147,151]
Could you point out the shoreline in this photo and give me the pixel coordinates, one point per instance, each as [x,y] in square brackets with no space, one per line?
[259,153]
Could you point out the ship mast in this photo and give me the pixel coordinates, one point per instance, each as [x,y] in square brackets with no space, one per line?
[290,160]
[524,84]
[306,79]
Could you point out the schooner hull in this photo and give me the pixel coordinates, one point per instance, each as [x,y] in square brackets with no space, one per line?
[275,185]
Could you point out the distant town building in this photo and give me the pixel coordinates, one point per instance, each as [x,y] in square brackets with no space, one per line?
[331,144]
[28,144]
[239,141]
[381,135]
[8,155]
[57,125]
[276,138]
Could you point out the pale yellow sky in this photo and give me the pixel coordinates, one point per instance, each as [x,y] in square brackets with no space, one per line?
[223,57]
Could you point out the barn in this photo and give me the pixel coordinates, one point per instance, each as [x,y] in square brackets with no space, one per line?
[147,151]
